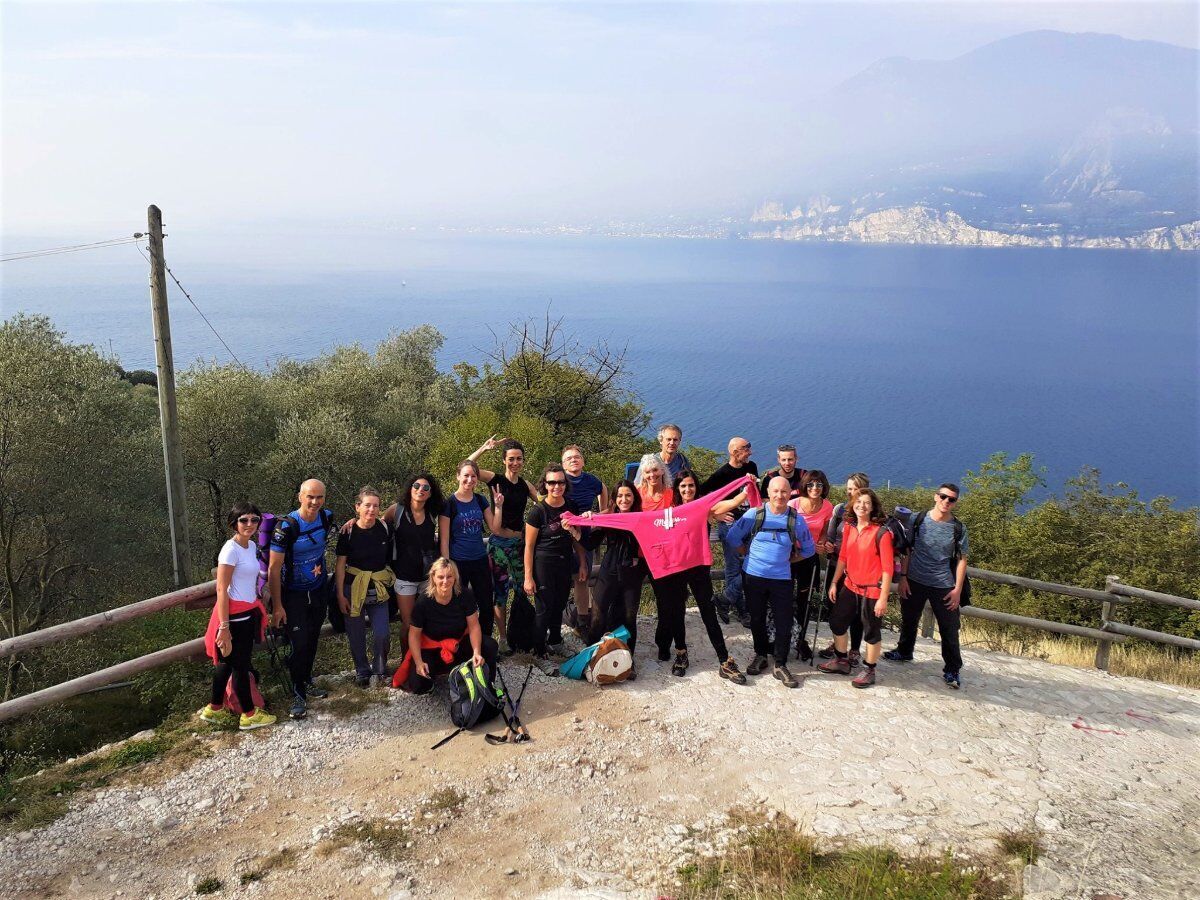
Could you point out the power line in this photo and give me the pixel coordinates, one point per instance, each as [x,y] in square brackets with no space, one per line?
[74,248]
[228,349]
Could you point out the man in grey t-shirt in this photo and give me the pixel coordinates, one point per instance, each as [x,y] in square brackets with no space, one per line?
[934,573]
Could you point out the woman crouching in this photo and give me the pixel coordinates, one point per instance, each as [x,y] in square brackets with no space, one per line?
[444,632]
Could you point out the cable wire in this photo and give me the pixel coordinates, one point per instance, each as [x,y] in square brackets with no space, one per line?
[74,248]
[228,349]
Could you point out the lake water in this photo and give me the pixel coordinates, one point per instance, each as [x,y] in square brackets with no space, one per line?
[910,363]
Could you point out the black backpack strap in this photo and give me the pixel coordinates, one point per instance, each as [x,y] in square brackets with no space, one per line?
[959,530]
[917,527]
[791,525]
[760,517]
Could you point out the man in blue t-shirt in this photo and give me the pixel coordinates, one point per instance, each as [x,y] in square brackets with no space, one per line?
[300,586]
[935,572]
[782,539]
[585,490]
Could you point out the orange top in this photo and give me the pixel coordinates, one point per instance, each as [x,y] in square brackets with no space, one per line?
[648,505]
[865,560]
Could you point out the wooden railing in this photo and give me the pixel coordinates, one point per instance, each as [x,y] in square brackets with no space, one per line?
[1115,595]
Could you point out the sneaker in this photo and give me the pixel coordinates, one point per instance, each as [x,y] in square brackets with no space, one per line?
[855,659]
[839,665]
[865,678]
[260,719]
[729,669]
[680,666]
[782,673]
[299,708]
[828,652]
[952,680]
[664,653]
[804,651]
[723,614]
[897,656]
[212,716]
[315,692]
[757,666]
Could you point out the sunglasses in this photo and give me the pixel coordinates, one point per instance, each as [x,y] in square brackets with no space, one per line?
[422,488]
[555,483]
[249,520]
[814,484]
[947,498]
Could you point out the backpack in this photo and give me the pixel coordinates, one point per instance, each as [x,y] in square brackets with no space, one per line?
[760,518]
[452,508]
[959,530]
[473,699]
[900,525]
[262,548]
[522,623]
[231,698]
[295,532]
[612,662]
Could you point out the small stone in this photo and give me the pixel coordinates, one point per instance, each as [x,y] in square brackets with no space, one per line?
[510,871]
[206,803]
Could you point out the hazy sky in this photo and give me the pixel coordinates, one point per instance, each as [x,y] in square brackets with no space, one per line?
[423,114]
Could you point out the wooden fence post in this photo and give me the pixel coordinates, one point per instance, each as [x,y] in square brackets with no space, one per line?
[1106,613]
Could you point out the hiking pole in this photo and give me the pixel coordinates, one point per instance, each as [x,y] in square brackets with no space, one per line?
[812,661]
[504,738]
[447,739]
[514,731]
[522,733]
[274,637]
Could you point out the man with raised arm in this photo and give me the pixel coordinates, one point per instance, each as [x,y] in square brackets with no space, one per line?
[732,597]
[298,579]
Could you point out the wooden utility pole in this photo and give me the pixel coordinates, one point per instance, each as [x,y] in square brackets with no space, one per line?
[168,412]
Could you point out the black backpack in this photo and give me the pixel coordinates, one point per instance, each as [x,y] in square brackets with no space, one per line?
[452,507]
[959,530]
[292,529]
[473,698]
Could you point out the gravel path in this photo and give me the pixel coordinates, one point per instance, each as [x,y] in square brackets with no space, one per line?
[624,784]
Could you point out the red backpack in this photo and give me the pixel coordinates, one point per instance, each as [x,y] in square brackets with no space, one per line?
[235,706]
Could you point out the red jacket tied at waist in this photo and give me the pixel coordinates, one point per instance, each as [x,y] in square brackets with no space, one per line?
[236,608]
[447,648]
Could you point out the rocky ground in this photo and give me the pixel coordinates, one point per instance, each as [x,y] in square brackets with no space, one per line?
[622,785]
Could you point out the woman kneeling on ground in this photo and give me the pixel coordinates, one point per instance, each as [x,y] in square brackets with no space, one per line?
[699,580]
[866,560]
[237,621]
[445,631]
[363,553]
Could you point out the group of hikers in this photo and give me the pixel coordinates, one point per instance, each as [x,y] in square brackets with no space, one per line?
[423,559]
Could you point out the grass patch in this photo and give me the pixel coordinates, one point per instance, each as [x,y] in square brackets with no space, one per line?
[385,838]
[209,884]
[776,860]
[1024,844]
[280,859]
[447,799]
[40,799]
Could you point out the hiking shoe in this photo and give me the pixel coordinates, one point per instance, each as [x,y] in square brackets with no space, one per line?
[745,619]
[315,692]
[897,656]
[723,614]
[664,653]
[828,652]
[757,666]
[865,678]
[680,666]
[839,665]
[212,716]
[299,708]
[260,719]
[782,673]
[729,669]
[804,651]
[952,680]
[363,681]
[855,659]
[545,664]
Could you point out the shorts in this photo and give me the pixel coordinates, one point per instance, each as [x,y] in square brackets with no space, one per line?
[409,587]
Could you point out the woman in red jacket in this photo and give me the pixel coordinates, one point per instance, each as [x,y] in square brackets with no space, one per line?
[866,559]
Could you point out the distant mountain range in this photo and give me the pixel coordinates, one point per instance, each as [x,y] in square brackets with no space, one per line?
[1044,138]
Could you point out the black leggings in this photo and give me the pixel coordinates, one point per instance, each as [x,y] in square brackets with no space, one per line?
[775,593]
[804,577]
[237,663]
[476,577]
[856,626]
[851,607]
[670,595]
[699,579]
[552,575]
[418,684]
[618,595]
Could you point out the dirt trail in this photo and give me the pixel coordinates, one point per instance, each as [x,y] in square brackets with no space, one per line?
[624,784]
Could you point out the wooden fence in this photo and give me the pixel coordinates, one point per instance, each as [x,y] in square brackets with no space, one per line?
[1112,599]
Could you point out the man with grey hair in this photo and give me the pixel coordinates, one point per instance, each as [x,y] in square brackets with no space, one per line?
[298,579]
[670,438]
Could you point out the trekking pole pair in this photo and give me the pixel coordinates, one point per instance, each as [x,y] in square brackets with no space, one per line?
[514,731]
[808,617]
